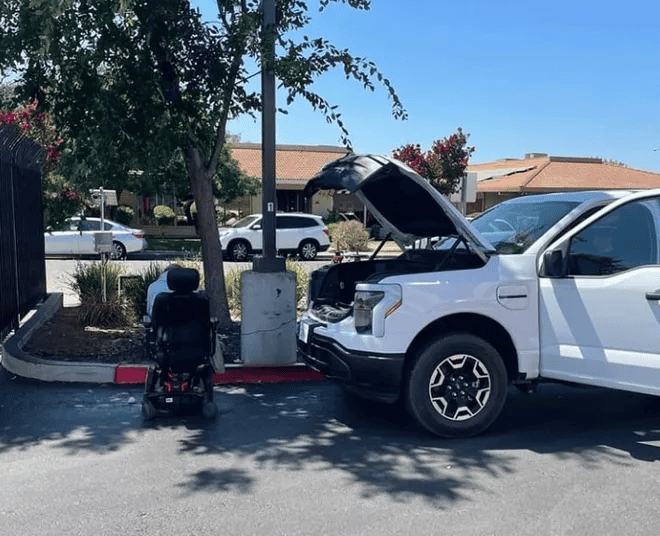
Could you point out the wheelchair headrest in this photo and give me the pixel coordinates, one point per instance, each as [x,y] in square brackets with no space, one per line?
[182,280]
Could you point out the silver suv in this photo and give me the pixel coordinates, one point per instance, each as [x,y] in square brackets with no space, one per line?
[296,233]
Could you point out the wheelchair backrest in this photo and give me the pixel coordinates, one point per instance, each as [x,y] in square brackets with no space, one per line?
[181,319]
[182,280]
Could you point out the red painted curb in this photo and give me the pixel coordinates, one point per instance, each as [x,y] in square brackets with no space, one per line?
[136,375]
[130,375]
[267,375]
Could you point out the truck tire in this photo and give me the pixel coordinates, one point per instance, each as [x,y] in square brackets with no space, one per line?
[457,386]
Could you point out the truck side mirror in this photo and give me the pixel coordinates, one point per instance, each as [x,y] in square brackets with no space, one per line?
[553,263]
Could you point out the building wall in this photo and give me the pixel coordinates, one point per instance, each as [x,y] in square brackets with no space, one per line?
[320,204]
[345,202]
[490,199]
[243,205]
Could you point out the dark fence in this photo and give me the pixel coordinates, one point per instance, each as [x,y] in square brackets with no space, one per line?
[22,264]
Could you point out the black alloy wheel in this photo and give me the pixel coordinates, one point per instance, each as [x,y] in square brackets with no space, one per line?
[457,386]
[239,251]
[118,251]
[308,250]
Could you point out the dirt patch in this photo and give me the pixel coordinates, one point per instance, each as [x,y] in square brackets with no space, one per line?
[64,338]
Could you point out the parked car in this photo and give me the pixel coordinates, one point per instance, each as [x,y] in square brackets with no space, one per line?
[557,287]
[77,238]
[296,233]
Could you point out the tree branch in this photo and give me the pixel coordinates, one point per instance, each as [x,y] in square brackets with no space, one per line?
[226,103]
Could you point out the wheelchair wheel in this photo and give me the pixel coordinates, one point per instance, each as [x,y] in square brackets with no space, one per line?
[148,410]
[149,382]
[209,410]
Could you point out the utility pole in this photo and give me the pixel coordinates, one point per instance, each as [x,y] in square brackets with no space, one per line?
[269,262]
[268,291]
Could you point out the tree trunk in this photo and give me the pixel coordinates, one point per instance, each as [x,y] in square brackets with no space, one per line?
[201,184]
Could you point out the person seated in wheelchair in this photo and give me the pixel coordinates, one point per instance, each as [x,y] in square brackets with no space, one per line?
[180,339]
[157,286]
[181,322]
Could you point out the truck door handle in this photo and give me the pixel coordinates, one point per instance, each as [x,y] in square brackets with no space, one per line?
[653,296]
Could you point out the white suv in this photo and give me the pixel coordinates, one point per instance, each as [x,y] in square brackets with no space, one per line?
[296,233]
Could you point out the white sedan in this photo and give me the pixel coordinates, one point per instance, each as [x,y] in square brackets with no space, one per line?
[77,238]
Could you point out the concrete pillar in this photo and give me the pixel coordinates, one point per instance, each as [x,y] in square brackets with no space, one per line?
[268,318]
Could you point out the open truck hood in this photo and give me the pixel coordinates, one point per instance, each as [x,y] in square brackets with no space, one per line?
[404,203]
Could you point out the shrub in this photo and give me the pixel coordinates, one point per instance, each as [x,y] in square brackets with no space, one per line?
[332,217]
[233,290]
[87,282]
[118,310]
[124,215]
[164,215]
[233,286]
[127,309]
[134,289]
[302,281]
[332,229]
[351,236]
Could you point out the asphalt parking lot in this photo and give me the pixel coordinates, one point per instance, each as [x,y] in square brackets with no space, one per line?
[299,459]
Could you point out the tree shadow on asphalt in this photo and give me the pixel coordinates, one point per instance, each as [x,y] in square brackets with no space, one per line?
[383,452]
[73,418]
[315,427]
[219,480]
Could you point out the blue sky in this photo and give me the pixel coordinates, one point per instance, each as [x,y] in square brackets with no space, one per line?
[567,78]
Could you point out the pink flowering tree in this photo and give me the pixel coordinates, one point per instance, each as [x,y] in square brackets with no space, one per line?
[59,200]
[444,164]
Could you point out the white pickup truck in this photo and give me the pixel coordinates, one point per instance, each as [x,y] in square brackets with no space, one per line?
[559,287]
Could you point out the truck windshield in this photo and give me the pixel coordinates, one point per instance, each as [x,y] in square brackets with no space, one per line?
[511,227]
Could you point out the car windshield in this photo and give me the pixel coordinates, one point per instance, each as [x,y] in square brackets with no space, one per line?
[512,227]
[248,220]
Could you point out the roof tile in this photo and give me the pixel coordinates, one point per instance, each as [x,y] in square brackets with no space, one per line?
[294,162]
[555,173]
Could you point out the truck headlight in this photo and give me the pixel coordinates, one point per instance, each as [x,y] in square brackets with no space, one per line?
[372,305]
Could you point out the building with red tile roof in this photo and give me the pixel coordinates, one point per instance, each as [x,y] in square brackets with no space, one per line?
[540,173]
[295,165]
[496,181]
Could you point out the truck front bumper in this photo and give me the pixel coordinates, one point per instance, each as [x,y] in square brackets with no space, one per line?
[369,375]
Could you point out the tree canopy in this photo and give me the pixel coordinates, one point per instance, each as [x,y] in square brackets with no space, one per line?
[143,84]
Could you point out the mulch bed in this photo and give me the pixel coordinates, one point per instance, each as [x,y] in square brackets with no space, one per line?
[63,338]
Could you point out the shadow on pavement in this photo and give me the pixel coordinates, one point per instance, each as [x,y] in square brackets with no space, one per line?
[378,447]
[315,427]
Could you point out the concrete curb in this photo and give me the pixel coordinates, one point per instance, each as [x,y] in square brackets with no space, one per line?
[26,365]
[21,363]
